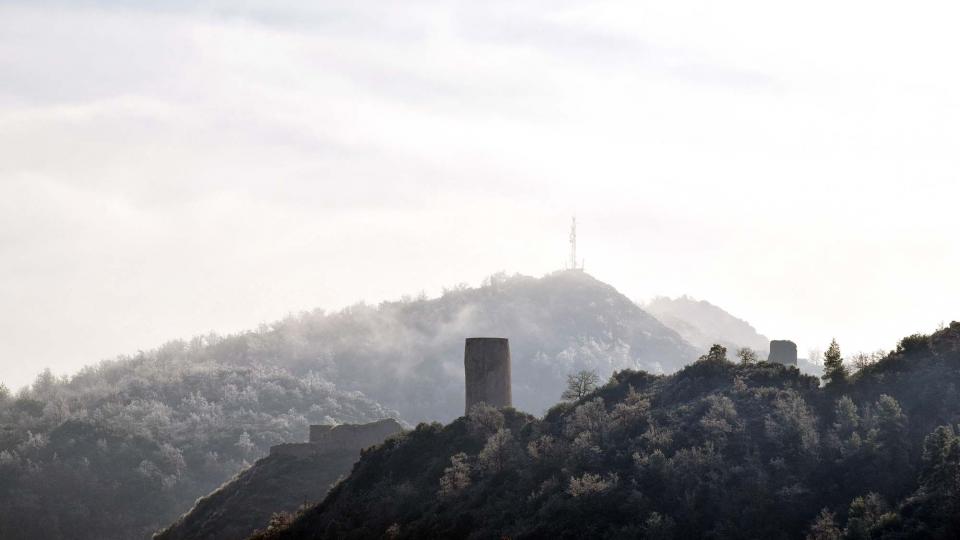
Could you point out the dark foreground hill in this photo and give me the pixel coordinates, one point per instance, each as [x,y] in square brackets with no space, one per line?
[717,450]
[292,476]
[274,484]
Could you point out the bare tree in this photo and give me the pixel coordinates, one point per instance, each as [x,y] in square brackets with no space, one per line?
[580,384]
[862,360]
[747,355]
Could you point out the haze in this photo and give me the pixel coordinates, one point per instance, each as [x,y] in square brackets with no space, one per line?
[166,172]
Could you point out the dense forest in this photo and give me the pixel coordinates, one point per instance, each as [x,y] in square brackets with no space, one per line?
[717,450]
[120,449]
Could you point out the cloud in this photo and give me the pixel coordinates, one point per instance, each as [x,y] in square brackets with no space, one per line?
[171,168]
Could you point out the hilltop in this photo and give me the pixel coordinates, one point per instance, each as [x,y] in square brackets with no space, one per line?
[717,450]
[409,355]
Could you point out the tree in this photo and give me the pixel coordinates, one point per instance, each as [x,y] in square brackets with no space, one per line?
[824,527]
[847,418]
[718,353]
[866,514]
[862,360]
[498,453]
[747,355]
[792,425]
[456,477]
[590,417]
[592,484]
[834,372]
[484,420]
[580,384]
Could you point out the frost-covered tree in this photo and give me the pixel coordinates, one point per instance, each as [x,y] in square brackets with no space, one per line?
[456,477]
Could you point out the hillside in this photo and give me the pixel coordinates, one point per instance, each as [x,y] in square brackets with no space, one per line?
[121,449]
[275,486]
[408,355]
[717,450]
[703,324]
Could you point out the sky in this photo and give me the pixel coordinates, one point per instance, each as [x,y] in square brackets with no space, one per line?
[210,166]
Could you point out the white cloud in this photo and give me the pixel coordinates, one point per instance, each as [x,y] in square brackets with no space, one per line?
[168,171]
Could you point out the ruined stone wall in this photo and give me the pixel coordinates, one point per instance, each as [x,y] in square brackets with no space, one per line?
[353,436]
[343,437]
[486,364]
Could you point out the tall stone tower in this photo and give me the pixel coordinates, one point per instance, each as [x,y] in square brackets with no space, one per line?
[783,352]
[486,363]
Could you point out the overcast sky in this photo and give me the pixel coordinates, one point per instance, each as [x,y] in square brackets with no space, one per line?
[167,172]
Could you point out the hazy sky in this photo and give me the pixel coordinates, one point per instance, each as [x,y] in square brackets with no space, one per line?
[166,172]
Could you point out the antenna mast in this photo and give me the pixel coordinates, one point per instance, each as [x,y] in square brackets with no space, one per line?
[573,244]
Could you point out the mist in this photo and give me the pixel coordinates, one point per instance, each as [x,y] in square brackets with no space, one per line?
[171,171]
[242,246]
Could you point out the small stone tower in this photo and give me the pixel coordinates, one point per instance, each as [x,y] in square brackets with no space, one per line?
[783,352]
[486,362]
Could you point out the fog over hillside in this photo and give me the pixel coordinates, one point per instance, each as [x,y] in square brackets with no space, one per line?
[120,449]
[177,167]
[703,324]
[256,232]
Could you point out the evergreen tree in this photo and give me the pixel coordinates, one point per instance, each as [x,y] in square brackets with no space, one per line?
[834,372]
[718,353]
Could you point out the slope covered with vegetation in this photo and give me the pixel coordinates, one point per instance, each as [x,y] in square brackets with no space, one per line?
[121,449]
[408,355]
[717,450]
[277,484]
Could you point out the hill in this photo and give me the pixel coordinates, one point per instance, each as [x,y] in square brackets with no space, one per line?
[717,450]
[703,324]
[275,486]
[121,449]
[409,355]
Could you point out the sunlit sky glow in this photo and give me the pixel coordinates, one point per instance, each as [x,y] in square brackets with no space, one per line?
[167,172]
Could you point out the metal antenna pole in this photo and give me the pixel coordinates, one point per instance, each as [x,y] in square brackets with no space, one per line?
[573,244]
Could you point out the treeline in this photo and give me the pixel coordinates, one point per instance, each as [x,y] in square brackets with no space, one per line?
[120,450]
[718,450]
